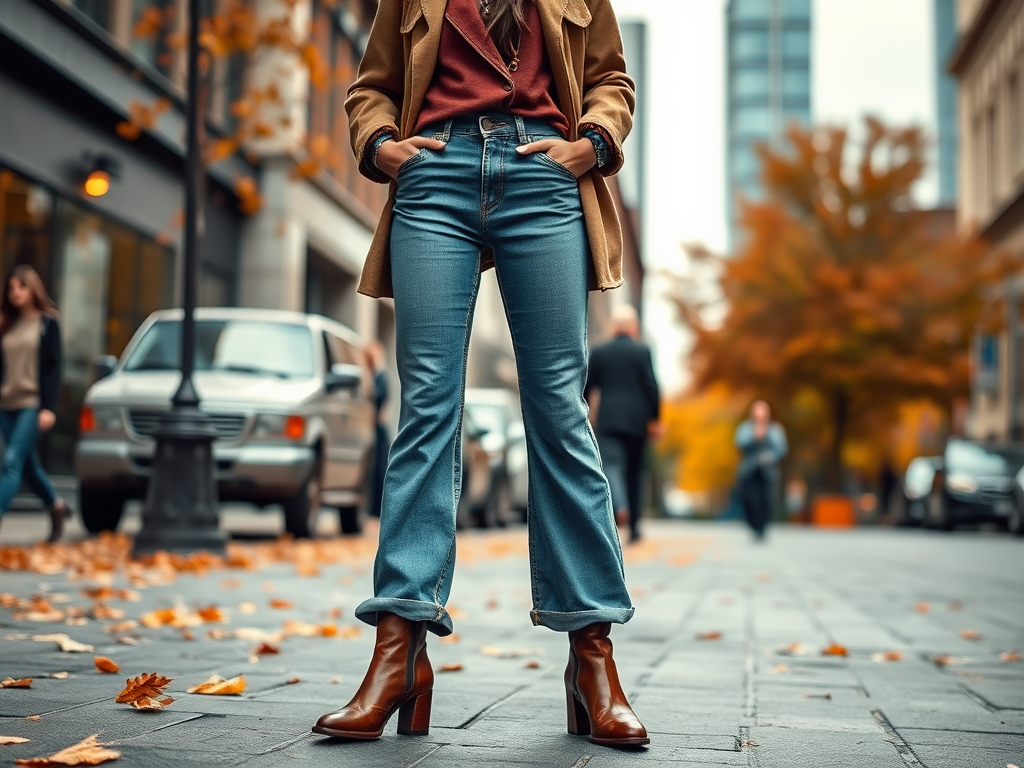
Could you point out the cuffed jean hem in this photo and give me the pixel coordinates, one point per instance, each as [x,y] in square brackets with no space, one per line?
[567,621]
[437,618]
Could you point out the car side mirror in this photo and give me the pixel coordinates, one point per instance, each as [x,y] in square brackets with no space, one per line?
[343,376]
[103,366]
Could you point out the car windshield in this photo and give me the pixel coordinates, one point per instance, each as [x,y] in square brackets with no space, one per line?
[283,350]
[982,459]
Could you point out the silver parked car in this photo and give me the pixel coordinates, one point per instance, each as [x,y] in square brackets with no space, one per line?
[288,395]
[500,456]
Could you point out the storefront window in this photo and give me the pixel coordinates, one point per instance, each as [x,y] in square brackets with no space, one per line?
[26,214]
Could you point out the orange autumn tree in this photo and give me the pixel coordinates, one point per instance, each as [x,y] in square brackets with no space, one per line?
[272,35]
[839,287]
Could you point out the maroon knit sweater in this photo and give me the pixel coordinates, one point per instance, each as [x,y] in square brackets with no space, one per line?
[472,79]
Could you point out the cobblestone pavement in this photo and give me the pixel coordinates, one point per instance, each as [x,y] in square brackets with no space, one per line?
[723,661]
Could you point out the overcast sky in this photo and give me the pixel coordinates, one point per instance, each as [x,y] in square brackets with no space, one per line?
[869,56]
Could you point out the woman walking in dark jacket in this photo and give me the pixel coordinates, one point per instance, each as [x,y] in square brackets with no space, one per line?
[30,368]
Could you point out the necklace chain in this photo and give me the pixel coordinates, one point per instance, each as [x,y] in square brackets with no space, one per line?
[485,11]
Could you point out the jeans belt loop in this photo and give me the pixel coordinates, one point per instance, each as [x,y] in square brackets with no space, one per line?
[446,134]
[521,128]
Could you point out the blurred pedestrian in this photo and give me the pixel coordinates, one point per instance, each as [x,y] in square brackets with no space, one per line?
[30,371]
[374,352]
[762,443]
[621,374]
[495,122]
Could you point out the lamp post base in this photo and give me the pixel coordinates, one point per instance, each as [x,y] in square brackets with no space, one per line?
[181,501]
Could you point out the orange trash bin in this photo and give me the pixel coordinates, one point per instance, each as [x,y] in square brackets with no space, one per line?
[833,512]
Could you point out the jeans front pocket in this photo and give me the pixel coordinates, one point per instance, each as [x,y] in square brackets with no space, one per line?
[411,161]
[548,160]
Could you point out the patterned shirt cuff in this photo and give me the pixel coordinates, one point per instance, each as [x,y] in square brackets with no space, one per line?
[375,147]
[600,146]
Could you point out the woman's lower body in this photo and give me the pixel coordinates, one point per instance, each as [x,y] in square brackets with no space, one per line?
[20,430]
[479,194]
[756,495]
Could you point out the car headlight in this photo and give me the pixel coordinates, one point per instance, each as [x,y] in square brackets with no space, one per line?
[277,425]
[101,418]
[961,483]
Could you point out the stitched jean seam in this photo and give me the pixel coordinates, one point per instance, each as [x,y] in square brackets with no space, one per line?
[534,571]
[457,442]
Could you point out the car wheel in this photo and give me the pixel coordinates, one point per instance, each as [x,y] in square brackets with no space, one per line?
[1015,522]
[937,515]
[302,509]
[101,510]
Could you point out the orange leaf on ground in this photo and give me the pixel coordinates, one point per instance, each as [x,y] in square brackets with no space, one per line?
[944,660]
[10,682]
[709,636]
[532,665]
[450,668]
[887,656]
[281,604]
[13,740]
[293,680]
[1010,656]
[835,650]
[105,665]
[86,752]
[32,718]
[145,692]
[211,613]
[216,685]
[328,630]
[970,634]
[266,648]
[923,607]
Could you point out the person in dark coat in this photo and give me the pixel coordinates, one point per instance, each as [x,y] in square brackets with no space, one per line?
[621,372]
[762,444]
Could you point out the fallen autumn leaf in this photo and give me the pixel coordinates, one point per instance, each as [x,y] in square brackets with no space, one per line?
[145,692]
[835,650]
[13,740]
[10,682]
[86,752]
[216,685]
[105,665]
[67,645]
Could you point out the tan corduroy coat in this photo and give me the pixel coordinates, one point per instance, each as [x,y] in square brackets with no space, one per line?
[585,50]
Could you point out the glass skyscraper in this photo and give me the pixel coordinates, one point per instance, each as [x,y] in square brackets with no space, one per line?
[768,75]
[945,101]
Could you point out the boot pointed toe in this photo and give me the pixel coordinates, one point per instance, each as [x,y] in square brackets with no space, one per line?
[400,679]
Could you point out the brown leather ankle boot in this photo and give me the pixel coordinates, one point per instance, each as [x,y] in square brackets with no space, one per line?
[596,705]
[399,678]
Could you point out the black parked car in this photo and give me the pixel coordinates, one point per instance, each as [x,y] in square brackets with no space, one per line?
[974,484]
[1015,522]
[917,486]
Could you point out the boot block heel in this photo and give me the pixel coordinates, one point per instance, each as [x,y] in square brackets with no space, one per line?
[414,716]
[578,721]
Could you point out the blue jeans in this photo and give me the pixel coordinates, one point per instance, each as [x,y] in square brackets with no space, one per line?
[479,193]
[20,430]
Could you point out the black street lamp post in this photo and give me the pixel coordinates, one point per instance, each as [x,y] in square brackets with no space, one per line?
[181,502]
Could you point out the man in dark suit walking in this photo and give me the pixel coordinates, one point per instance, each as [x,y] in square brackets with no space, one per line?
[621,374]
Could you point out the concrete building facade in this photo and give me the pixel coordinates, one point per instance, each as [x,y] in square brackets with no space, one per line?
[989,67]
[74,72]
